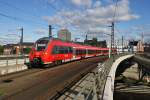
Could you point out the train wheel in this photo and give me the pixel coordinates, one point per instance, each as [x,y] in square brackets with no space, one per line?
[55,63]
[35,65]
[58,62]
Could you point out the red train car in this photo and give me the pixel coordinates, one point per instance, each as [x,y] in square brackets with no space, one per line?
[47,51]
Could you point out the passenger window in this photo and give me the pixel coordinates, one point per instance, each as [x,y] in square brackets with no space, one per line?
[61,50]
[70,50]
[66,50]
[77,52]
[55,50]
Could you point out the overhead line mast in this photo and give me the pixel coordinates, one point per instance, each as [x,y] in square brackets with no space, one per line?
[112,26]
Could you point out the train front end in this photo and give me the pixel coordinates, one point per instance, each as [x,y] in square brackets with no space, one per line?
[37,52]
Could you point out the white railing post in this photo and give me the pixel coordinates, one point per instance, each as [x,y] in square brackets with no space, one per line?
[7,60]
[16,59]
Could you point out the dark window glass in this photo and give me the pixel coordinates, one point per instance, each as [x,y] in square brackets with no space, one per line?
[80,52]
[77,51]
[61,50]
[70,50]
[106,51]
[55,50]
[66,50]
[99,51]
[83,51]
[91,51]
[41,44]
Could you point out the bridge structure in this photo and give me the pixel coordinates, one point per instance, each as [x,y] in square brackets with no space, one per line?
[96,84]
[100,84]
[103,80]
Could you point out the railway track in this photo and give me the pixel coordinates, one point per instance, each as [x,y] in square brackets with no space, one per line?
[71,83]
[49,83]
[9,77]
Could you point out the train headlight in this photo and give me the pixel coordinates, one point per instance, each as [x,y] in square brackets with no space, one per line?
[45,53]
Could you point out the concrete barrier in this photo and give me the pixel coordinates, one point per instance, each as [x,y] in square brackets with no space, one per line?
[13,68]
[109,86]
[10,62]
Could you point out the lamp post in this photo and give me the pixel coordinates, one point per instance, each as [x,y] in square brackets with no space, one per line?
[109,45]
[21,41]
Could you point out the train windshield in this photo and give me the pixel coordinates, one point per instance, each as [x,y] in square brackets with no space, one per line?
[41,44]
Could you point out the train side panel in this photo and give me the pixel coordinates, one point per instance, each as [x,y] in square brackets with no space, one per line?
[60,51]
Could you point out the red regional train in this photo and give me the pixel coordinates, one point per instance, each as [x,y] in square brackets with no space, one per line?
[55,51]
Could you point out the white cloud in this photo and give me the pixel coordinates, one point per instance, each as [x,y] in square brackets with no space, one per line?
[127,17]
[95,18]
[87,3]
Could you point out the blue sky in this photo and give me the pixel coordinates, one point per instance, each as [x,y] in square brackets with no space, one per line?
[79,16]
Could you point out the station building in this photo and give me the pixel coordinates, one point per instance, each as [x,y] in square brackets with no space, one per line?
[25,48]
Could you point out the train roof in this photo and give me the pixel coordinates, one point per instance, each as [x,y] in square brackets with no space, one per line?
[69,43]
[76,45]
[44,38]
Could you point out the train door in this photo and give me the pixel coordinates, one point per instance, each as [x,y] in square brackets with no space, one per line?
[74,53]
[86,53]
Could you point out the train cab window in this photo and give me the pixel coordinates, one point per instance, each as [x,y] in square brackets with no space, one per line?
[41,44]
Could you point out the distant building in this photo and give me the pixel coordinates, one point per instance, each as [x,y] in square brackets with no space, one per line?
[102,44]
[140,46]
[95,42]
[133,46]
[15,48]
[147,48]
[121,47]
[64,34]
[136,46]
